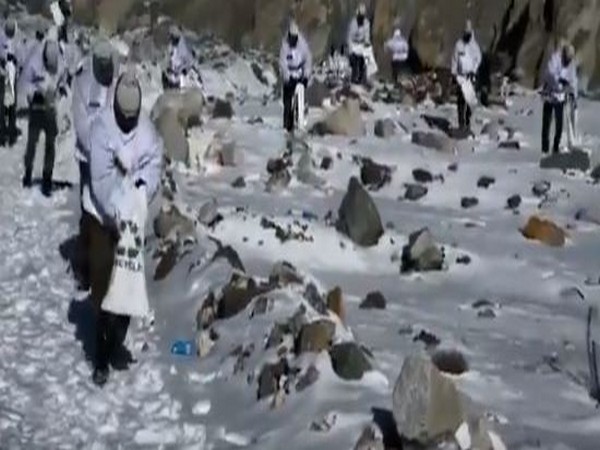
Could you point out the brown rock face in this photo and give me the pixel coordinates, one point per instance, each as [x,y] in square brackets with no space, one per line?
[518,34]
[544,231]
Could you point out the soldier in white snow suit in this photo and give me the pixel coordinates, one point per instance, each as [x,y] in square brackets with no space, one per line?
[92,93]
[559,83]
[295,62]
[465,62]
[359,36]
[180,60]
[398,48]
[44,82]
[122,142]
[11,58]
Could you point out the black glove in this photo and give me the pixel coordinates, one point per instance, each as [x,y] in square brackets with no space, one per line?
[62,91]
[184,72]
[139,183]
[563,82]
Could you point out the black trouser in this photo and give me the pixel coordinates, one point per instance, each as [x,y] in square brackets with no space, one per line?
[41,120]
[464,110]
[167,83]
[558,110]
[358,67]
[288,99]
[111,329]
[83,241]
[398,68]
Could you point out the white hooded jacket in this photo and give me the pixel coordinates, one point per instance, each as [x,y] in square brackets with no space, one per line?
[398,46]
[295,62]
[140,152]
[466,58]
[553,90]
[180,57]
[359,35]
[35,78]
[90,98]
[12,46]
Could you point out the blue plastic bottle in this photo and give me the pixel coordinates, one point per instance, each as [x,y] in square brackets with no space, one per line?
[182,348]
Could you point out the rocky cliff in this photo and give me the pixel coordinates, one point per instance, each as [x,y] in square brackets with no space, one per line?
[517,35]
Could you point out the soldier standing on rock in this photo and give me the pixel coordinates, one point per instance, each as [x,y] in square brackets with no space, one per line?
[295,61]
[465,62]
[560,82]
[180,60]
[398,47]
[123,143]
[359,37]
[92,88]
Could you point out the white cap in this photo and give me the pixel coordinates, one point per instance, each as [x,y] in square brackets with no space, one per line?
[51,55]
[128,95]
[569,50]
[362,9]
[293,29]
[469,26]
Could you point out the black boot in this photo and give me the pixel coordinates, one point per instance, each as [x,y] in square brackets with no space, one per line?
[100,376]
[27,182]
[47,185]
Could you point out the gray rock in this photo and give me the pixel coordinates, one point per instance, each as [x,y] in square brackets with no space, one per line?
[492,130]
[315,299]
[469,202]
[268,380]
[485,182]
[421,254]
[222,110]
[374,175]
[310,377]
[166,264]
[173,135]
[574,160]
[426,404]
[433,140]
[510,145]
[344,121]
[171,220]
[239,183]
[315,337]
[358,217]
[284,273]
[596,174]
[349,361]
[316,93]
[415,192]
[278,180]
[422,176]
[326,163]
[541,188]
[373,300]
[513,202]
[385,128]
[237,295]
[208,212]
[230,155]
[589,214]
[371,438]
[450,361]
[305,173]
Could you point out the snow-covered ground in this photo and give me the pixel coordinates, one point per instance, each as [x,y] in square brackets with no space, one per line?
[47,399]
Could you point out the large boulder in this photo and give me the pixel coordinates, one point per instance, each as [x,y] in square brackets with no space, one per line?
[349,361]
[346,120]
[426,404]
[573,160]
[544,231]
[433,140]
[171,220]
[385,128]
[172,132]
[422,254]
[358,217]
[374,175]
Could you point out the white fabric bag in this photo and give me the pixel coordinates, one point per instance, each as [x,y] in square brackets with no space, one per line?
[127,294]
[573,139]
[468,91]
[299,106]
[10,84]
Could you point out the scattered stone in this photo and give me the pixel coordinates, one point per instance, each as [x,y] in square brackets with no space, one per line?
[422,176]
[450,361]
[284,273]
[275,165]
[239,183]
[277,334]
[261,306]
[510,145]
[204,343]
[349,361]
[574,160]
[482,303]
[385,128]
[415,192]
[439,123]
[469,202]
[228,153]
[344,121]
[237,295]
[170,220]
[453,167]
[311,294]
[374,175]
[316,93]
[325,424]
[421,254]
[371,438]
[278,181]
[463,259]
[358,217]
[326,163]
[541,188]
[429,339]
[596,174]
[485,182]
[486,313]
[426,404]
[433,140]
[207,313]
[590,214]
[268,380]
[492,130]
[373,300]
[335,303]
[544,231]
[208,213]
[228,252]
[172,132]
[315,337]
[513,202]
[305,173]
[222,110]
[310,377]
[167,263]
